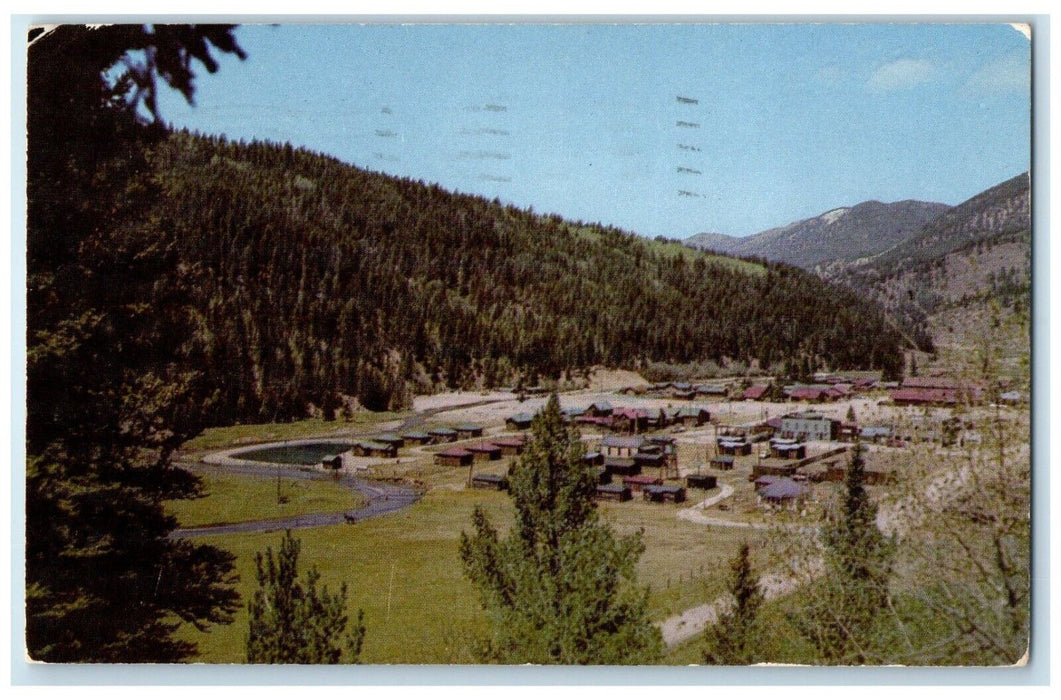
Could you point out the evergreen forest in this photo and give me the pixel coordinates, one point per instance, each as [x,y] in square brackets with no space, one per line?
[312,281]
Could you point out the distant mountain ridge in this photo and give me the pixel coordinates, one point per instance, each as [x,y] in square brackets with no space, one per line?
[841,234]
[999,210]
[944,277]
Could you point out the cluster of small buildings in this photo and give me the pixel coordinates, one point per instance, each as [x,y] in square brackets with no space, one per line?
[782,491]
[825,387]
[484,451]
[912,391]
[936,391]
[624,457]
[605,417]
[679,390]
[387,444]
[829,388]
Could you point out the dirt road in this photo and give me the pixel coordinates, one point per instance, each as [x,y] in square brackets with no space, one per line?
[380,498]
[689,623]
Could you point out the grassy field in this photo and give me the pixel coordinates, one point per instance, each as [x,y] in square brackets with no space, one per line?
[232,436]
[690,254]
[404,571]
[236,499]
[670,248]
[684,564]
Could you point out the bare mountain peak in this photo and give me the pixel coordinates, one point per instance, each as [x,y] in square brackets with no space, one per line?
[833,215]
[841,234]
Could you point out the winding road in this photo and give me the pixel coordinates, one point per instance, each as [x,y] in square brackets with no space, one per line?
[381,498]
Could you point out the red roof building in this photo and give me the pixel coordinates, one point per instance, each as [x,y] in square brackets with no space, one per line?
[804,393]
[454,457]
[486,451]
[923,396]
[755,393]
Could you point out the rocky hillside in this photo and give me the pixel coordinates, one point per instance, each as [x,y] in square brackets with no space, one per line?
[941,282]
[845,234]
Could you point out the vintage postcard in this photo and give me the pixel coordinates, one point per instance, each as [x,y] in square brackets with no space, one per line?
[613,343]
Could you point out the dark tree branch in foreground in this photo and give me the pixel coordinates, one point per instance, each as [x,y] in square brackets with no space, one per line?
[108,328]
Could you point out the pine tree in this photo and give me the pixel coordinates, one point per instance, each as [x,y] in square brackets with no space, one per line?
[841,615]
[291,621]
[111,390]
[733,640]
[561,588]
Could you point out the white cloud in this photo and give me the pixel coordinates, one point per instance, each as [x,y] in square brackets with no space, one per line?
[901,74]
[1008,74]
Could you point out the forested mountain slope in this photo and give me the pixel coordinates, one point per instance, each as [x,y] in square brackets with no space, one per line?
[844,234]
[975,254]
[314,279]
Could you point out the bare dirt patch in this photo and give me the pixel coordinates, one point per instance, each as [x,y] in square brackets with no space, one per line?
[614,379]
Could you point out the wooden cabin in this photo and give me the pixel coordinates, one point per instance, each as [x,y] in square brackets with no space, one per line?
[495,482]
[848,432]
[664,492]
[613,492]
[443,435]
[656,418]
[469,430]
[370,448]
[485,451]
[722,462]
[623,466]
[630,420]
[702,481]
[454,457]
[693,415]
[637,482]
[787,449]
[417,438]
[390,439]
[519,421]
[730,446]
[510,446]
[621,446]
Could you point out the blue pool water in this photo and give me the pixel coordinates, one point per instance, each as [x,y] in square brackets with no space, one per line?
[307,454]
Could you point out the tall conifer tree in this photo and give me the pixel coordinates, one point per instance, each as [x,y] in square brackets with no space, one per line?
[561,588]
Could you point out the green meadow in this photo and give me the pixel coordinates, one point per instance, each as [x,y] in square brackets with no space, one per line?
[404,571]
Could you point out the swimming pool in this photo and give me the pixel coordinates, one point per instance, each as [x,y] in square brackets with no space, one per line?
[303,453]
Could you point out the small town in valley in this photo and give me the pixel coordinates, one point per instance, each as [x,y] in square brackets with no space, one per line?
[676,345]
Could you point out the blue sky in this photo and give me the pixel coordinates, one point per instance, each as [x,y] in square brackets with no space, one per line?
[789,120]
